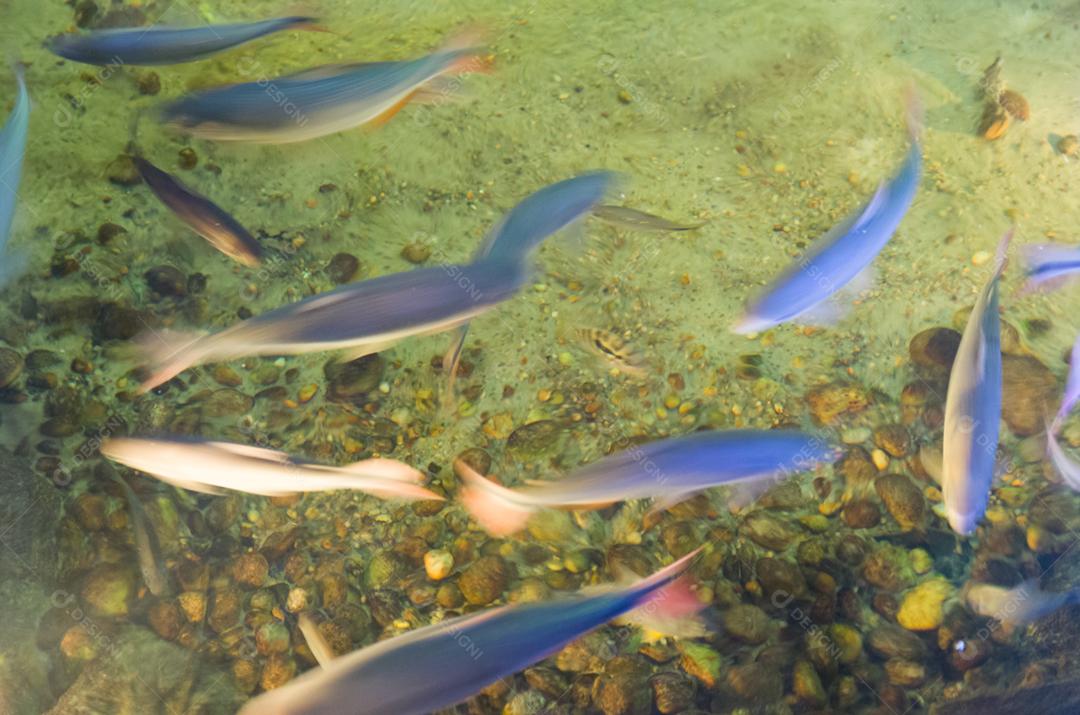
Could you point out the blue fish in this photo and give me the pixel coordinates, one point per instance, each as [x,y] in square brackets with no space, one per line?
[839,256]
[360,318]
[12,150]
[517,235]
[316,102]
[1050,264]
[442,664]
[669,470]
[166,45]
[973,410]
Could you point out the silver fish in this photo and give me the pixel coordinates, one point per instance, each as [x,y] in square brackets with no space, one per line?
[634,220]
[1019,605]
[147,547]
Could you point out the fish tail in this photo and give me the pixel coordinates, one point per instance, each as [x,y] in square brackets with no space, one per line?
[496,508]
[465,44]
[915,114]
[667,603]
[450,363]
[1002,257]
[385,469]
[169,352]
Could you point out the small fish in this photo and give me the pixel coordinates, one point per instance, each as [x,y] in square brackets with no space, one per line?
[1066,467]
[166,45]
[360,318]
[439,665]
[202,215]
[147,547]
[634,220]
[1072,383]
[317,102]
[1049,265]
[807,290]
[210,467]
[973,409]
[317,644]
[1017,606]
[670,470]
[521,231]
[12,149]
[614,350]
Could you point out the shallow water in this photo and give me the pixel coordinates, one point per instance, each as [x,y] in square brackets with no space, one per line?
[771,121]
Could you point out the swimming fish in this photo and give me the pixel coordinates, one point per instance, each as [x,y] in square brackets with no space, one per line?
[316,102]
[147,547]
[210,467]
[1049,265]
[807,290]
[161,45]
[12,149]
[1017,606]
[973,409]
[1072,383]
[670,470]
[1066,467]
[614,350]
[634,220]
[202,215]
[360,318]
[439,665]
[521,231]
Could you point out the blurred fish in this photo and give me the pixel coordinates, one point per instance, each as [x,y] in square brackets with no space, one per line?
[670,470]
[973,409]
[521,231]
[360,318]
[614,350]
[202,215]
[635,220]
[1017,606]
[1066,467]
[210,467]
[317,102]
[162,45]
[147,547]
[1072,383]
[12,149]
[317,644]
[439,665]
[842,257]
[1049,265]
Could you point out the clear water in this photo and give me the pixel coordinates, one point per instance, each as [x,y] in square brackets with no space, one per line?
[769,120]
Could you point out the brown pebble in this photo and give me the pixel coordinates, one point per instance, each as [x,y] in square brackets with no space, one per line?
[149,83]
[1014,103]
[188,159]
[935,348]
[122,171]
[862,514]
[342,268]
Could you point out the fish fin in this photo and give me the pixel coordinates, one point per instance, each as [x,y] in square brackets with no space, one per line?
[827,313]
[390,469]
[450,363]
[1072,383]
[743,494]
[494,507]
[467,41]
[1067,468]
[439,90]
[1001,259]
[359,351]
[672,608]
[247,450]
[1038,255]
[169,351]
[667,501]
[316,643]
[388,113]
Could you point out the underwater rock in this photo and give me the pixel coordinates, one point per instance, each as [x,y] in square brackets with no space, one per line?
[806,684]
[166,620]
[585,655]
[484,580]
[250,570]
[272,638]
[226,402]
[193,605]
[768,531]
[167,281]
[905,673]
[861,514]
[383,569]
[903,500]
[109,590]
[672,692]
[187,159]
[118,322]
[279,669]
[886,569]
[780,579]
[416,252]
[783,497]
[894,439]
[122,171]
[747,623]
[11,366]
[935,348]
[342,268]
[848,642]
[623,687]
[1029,392]
[922,608]
[1069,145]
[756,682]
[890,641]
[438,564]
[536,439]
[830,402]
[701,662]
[353,380]
[225,610]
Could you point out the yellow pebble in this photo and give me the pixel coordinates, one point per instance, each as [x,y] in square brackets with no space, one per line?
[709,391]
[543,395]
[880,459]
[307,392]
[933,494]
[828,508]
[671,401]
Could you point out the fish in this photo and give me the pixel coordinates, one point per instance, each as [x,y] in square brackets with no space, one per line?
[201,215]
[634,220]
[807,290]
[521,231]
[1072,383]
[317,644]
[163,45]
[436,666]
[12,150]
[1049,265]
[317,102]
[210,467]
[360,318]
[973,409]
[147,546]
[1017,606]
[669,470]
[614,350]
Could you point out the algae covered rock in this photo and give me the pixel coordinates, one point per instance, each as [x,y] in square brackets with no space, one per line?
[484,580]
[922,608]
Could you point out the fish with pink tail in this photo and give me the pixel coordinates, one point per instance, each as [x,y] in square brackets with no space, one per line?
[211,467]
[443,664]
[669,471]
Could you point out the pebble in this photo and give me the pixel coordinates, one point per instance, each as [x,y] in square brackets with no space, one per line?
[167,281]
[122,172]
[922,608]
[935,348]
[484,580]
[438,564]
[192,605]
[227,402]
[768,531]
[1069,145]
[861,514]
[1029,391]
[903,500]
[250,569]
[11,366]
[829,402]
[109,590]
[536,439]
[890,641]
[342,268]
[416,252]
[905,673]
[672,693]
[806,684]
[855,435]
[353,380]
[747,623]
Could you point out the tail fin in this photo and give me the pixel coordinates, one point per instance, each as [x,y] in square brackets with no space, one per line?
[316,643]
[915,114]
[667,602]
[1002,258]
[390,469]
[450,363]
[170,352]
[498,509]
